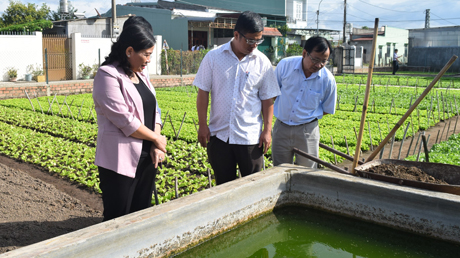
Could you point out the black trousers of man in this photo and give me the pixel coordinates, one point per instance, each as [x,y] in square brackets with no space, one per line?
[224,157]
[395,66]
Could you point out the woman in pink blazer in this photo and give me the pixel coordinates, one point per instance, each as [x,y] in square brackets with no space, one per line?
[129,143]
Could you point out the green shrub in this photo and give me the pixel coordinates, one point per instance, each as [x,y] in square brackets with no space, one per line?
[39,25]
[190,61]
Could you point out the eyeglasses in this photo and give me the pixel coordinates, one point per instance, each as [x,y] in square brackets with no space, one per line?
[317,61]
[252,41]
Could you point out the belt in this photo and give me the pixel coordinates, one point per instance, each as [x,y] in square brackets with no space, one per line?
[316,119]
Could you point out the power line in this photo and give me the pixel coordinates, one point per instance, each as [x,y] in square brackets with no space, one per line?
[393,10]
[442,18]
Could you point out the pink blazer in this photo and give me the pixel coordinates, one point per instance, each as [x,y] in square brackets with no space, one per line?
[120,113]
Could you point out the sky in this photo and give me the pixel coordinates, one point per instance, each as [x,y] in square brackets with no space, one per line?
[405,14]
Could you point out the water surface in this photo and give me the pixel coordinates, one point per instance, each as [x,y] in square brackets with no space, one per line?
[304,232]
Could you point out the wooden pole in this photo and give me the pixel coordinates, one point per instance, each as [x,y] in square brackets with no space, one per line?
[341,154]
[425,146]
[407,114]
[183,119]
[366,98]
[402,142]
[29,100]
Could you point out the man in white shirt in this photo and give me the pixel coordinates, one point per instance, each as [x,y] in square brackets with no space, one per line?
[395,61]
[242,85]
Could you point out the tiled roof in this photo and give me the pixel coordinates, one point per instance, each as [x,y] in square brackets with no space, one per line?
[362,39]
[271,32]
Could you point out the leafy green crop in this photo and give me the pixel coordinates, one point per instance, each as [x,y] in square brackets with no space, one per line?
[66,146]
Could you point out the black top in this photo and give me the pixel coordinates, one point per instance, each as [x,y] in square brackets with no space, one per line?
[149,104]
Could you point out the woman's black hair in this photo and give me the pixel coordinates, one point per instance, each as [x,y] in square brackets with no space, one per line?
[317,44]
[137,20]
[249,22]
[136,35]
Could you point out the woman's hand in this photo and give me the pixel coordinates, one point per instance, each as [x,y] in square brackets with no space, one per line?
[160,142]
[146,134]
[157,155]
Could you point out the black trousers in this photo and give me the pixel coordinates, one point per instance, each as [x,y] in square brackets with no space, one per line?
[224,157]
[122,195]
[395,66]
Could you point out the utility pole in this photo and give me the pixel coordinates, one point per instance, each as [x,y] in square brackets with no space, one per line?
[427,18]
[317,18]
[115,27]
[344,20]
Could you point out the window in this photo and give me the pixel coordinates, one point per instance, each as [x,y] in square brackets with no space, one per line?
[297,10]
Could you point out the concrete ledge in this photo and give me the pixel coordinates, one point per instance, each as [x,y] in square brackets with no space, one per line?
[174,226]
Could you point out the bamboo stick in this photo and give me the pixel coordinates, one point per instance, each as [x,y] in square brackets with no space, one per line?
[391,146]
[319,161]
[370,136]
[455,127]
[341,154]
[170,120]
[447,133]
[335,157]
[401,121]
[30,101]
[366,97]
[383,149]
[209,178]
[346,144]
[442,133]
[163,125]
[38,102]
[416,143]
[437,137]
[420,147]
[183,119]
[402,142]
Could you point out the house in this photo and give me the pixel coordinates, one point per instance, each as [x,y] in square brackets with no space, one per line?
[296,20]
[184,24]
[92,26]
[433,47]
[388,39]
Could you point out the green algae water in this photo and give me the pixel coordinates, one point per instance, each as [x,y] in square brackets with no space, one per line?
[305,232]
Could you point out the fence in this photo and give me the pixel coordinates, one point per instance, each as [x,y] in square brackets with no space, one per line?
[178,62]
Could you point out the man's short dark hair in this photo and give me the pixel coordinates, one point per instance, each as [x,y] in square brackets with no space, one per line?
[396,50]
[249,22]
[317,44]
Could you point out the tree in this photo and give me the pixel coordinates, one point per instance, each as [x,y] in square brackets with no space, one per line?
[19,13]
[365,28]
[56,16]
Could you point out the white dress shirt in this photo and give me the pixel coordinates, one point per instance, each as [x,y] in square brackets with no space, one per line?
[237,90]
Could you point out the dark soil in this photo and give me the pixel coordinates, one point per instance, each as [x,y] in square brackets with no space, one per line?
[36,205]
[33,211]
[403,172]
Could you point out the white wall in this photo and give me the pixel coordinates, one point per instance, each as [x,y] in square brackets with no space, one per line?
[154,67]
[19,51]
[86,51]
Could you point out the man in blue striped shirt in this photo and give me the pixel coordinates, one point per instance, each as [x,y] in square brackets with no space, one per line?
[308,92]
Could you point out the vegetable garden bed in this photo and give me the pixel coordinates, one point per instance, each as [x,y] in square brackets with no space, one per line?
[62,138]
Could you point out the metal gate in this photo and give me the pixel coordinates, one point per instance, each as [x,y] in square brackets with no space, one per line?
[59,57]
[349,60]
